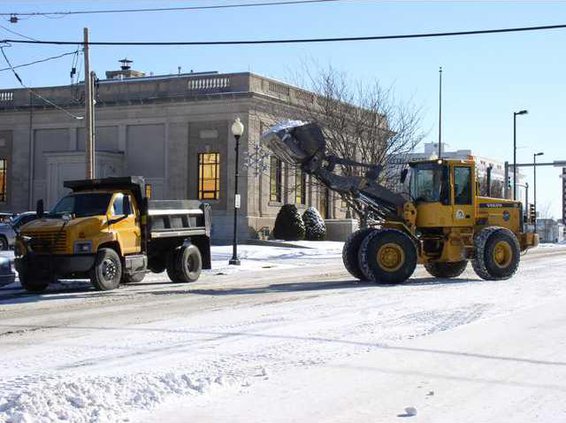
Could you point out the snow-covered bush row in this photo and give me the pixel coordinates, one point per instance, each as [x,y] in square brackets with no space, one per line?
[315,228]
[289,225]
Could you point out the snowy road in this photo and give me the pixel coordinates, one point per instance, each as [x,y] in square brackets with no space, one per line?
[290,323]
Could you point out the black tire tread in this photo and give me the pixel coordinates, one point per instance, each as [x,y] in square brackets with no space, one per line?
[4,245]
[446,270]
[479,263]
[95,279]
[350,252]
[177,268]
[379,276]
[31,283]
[171,265]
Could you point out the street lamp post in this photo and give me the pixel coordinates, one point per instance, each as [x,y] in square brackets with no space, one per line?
[237,131]
[535,187]
[515,114]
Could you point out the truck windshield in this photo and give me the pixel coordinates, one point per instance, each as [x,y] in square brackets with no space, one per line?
[427,183]
[81,205]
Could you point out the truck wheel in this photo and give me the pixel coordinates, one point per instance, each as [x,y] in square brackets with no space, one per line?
[387,256]
[132,278]
[107,271]
[497,253]
[184,264]
[158,265]
[446,270]
[31,282]
[3,243]
[350,252]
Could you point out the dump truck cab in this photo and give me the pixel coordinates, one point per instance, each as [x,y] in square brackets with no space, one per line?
[109,231]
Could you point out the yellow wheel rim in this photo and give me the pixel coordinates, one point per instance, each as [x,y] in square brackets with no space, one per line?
[502,254]
[390,257]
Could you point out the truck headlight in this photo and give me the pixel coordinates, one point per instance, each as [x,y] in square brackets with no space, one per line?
[82,247]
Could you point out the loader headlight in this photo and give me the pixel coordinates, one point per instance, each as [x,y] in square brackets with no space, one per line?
[82,247]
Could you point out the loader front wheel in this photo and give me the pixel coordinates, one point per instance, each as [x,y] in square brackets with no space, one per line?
[446,270]
[350,252]
[497,253]
[387,256]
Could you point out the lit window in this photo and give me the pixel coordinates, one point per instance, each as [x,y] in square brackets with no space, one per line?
[276,179]
[209,176]
[3,170]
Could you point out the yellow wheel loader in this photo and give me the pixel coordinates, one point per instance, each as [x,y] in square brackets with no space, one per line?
[441,222]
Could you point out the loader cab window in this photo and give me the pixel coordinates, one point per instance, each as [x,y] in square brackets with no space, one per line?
[429,183]
[462,185]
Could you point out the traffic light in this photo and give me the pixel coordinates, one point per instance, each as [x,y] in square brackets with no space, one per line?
[532,213]
[508,182]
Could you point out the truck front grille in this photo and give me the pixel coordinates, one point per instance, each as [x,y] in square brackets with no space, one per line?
[49,242]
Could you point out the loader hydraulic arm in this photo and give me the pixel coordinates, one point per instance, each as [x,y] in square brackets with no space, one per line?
[303,145]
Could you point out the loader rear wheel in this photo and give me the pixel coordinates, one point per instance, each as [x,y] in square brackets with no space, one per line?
[107,271]
[497,254]
[184,264]
[387,256]
[446,270]
[350,252]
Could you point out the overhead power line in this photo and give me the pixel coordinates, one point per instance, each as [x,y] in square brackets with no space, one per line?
[169,9]
[39,61]
[299,40]
[17,33]
[33,91]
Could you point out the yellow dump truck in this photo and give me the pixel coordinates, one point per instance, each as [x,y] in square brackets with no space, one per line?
[108,230]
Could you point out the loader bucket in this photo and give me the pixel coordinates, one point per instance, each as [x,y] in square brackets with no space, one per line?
[294,142]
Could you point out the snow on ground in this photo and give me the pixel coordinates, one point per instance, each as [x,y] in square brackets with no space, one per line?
[289,336]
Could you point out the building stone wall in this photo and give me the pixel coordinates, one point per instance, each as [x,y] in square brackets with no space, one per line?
[154,127]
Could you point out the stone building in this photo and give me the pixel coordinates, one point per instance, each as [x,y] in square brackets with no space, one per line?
[174,130]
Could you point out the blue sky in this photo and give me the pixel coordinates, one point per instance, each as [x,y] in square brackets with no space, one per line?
[485,78]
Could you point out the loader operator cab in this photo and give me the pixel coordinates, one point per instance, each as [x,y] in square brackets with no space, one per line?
[443,192]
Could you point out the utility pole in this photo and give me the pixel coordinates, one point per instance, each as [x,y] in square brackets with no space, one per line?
[440,113]
[92,80]
[30,154]
[89,142]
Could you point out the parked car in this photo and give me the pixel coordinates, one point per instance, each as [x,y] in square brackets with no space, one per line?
[7,274]
[8,229]
[5,217]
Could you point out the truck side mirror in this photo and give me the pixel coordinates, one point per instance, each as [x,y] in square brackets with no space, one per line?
[39,209]
[404,173]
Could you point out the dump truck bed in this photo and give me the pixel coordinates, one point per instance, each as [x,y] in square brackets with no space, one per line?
[172,218]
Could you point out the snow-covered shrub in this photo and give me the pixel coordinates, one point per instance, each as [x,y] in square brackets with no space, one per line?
[289,224]
[315,228]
